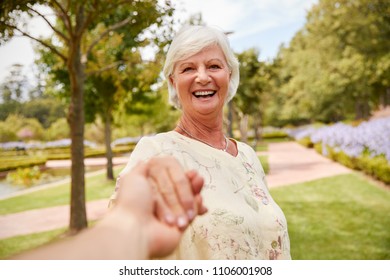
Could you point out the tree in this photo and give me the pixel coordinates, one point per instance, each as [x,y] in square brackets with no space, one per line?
[13,85]
[338,65]
[249,94]
[45,109]
[116,70]
[72,21]
[11,91]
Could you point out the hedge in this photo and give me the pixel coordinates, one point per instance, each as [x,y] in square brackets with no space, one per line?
[21,161]
[13,159]
[377,167]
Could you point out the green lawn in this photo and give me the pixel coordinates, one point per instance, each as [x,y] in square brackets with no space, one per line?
[264,163]
[342,217]
[14,245]
[97,187]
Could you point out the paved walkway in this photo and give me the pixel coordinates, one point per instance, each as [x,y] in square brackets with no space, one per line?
[292,163]
[289,163]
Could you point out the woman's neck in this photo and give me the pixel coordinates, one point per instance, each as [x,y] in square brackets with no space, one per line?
[210,131]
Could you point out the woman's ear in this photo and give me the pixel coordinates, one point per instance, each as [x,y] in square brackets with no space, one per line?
[172,80]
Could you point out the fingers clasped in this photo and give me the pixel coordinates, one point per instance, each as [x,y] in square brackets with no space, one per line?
[177,193]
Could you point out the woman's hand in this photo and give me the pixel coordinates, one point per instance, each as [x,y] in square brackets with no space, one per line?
[146,193]
[177,192]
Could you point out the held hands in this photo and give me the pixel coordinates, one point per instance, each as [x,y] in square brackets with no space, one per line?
[163,198]
[177,192]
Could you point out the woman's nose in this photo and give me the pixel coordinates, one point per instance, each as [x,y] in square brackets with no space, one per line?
[202,76]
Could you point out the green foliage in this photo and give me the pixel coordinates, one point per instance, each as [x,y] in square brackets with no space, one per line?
[336,66]
[306,142]
[15,245]
[57,130]
[261,147]
[264,163]
[252,91]
[251,82]
[378,167]
[274,134]
[97,187]
[7,133]
[17,127]
[15,162]
[120,149]
[24,176]
[336,218]
[9,108]
[45,110]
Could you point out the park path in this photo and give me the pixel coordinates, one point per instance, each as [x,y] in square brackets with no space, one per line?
[289,163]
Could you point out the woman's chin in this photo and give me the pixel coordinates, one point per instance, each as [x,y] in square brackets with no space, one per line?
[206,105]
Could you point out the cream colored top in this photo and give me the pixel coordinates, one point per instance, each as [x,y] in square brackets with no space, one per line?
[243,221]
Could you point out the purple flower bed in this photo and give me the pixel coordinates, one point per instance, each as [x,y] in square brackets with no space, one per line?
[372,137]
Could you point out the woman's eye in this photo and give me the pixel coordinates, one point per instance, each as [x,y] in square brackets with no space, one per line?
[215,66]
[186,69]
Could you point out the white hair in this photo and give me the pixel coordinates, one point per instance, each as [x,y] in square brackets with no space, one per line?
[189,41]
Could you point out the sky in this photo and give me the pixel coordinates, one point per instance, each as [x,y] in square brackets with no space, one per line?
[261,24]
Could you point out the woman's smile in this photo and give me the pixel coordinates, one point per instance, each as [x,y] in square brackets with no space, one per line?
[202,81]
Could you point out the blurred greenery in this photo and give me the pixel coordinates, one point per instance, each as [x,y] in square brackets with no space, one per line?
[14,245]
[97,187]
[264,163]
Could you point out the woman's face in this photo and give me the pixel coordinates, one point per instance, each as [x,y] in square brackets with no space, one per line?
[202,81]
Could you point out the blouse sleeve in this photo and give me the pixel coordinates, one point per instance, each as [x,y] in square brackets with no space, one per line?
[145,149]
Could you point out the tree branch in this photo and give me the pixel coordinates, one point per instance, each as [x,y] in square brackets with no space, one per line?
[53,49]
[105,33]
[90,17]
[64,16]
[108,67]
[62,35]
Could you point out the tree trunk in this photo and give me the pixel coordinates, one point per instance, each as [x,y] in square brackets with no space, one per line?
[107,133]
[78,215]
[362,108]
[244,127]
[230,119]
[257,131]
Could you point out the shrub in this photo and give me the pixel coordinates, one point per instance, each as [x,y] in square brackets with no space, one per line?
[305,142]
[20,161]
[24,176]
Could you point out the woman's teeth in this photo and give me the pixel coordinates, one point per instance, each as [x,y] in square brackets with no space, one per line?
[204,93]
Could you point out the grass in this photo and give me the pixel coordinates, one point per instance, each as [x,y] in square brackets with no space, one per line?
[15,245]
[264,163]
[97,187]
[337,218]
[262,147]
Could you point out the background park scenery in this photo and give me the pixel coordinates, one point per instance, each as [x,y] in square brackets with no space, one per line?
[95,94]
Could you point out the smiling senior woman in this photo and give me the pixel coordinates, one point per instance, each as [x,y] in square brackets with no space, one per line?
[243,221]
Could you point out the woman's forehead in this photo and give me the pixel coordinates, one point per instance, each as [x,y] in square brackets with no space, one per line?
[207,53]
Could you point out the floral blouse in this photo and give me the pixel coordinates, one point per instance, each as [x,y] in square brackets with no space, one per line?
[243,221]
